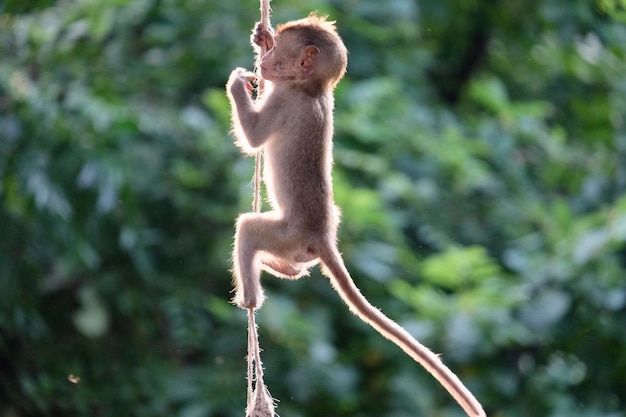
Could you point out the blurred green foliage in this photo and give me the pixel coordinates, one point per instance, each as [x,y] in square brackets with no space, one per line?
[480,166]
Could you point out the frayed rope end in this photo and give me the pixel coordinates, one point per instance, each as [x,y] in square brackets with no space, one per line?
[262,404]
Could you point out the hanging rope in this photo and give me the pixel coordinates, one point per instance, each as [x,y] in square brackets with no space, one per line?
[260,402]
[265,24]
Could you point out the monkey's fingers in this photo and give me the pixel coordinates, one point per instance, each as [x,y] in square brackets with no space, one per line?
[249,79]
[245,75]
[250,87]
[262,36]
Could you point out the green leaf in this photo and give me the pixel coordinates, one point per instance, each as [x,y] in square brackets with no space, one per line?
[458,267]
[489,92]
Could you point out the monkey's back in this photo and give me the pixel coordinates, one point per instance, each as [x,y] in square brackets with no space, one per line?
[298,160]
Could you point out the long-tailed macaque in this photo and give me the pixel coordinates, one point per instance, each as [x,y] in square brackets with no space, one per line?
[292,124]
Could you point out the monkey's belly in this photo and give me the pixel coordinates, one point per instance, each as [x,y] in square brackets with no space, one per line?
[283,268]
[292,268]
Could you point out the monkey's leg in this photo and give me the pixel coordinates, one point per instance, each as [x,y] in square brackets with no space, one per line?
[258,235]
[246,268]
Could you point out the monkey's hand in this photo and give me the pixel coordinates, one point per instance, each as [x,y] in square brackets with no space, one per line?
[240,80]
[262,36]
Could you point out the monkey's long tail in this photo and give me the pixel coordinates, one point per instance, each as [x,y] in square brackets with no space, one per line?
[358,304]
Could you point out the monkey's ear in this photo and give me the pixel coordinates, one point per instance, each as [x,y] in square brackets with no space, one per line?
[309,58]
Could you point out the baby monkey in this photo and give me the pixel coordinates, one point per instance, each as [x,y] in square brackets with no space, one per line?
[292,124]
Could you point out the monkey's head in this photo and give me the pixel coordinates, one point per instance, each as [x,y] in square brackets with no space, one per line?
[308,51]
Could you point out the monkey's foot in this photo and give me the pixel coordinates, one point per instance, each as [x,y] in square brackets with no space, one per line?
[251,299]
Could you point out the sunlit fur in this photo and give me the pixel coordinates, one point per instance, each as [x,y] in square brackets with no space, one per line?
[293,126]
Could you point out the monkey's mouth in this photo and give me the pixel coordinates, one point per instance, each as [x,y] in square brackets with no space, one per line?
[267,72]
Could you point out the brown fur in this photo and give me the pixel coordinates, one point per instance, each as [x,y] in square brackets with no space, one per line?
[293,125]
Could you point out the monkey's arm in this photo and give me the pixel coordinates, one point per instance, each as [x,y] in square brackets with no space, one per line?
[249,122]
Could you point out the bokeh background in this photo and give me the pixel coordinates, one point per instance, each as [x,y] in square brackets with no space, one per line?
[480,163]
